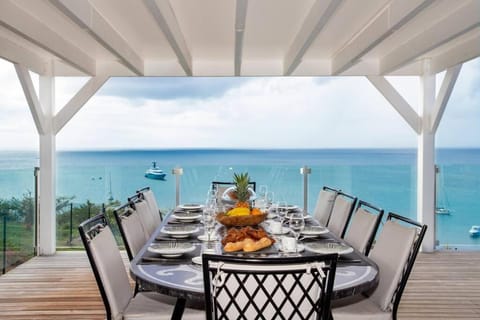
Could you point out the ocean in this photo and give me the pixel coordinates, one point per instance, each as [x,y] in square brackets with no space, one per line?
[383,177]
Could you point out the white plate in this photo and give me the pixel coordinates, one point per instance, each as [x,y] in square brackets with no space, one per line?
[314,230]
[187,216]
[328,247]
[179,231]
[300,248]
[272,215]
[191,206]
[197,260]
[171,249]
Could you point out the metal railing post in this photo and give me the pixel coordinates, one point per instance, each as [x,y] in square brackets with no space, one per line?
[4,269]
[36,251]
[177,172]
[71,222]
[305,171]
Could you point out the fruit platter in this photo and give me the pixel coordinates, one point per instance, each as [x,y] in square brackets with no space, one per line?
[241,214]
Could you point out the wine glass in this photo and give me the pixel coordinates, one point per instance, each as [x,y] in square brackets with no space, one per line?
[282,211]
[297,223]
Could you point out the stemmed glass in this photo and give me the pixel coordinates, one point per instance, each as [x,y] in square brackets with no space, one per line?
[297,223]
[282,211]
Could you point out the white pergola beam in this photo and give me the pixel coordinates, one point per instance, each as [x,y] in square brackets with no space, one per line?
[31,29]
[397,101]
[163,14]
[443,96]
[32,98]
[318,17]
[87,17]
[467,50]
[16,54]
[240,17]
[460,22]
[392,18]
[77,102]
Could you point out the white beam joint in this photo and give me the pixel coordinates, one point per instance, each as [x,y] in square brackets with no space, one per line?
[443,96]
[393,17]
[460,22]
[31,29]
[163,14]
[32,98]
[77,102]
[240,17]
[15,53]
[319,15]
[87,17]
[397,101]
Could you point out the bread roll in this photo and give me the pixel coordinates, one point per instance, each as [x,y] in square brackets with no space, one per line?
[250,246]
[233,246]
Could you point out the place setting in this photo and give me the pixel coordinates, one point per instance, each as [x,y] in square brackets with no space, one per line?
[180,231]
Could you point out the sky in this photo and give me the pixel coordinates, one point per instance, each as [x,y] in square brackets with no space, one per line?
[276,112]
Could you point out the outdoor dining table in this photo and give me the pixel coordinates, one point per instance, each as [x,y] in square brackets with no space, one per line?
[182,278]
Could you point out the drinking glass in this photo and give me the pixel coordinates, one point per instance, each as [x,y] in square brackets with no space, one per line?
[297,223]
[282,211]
[209,222]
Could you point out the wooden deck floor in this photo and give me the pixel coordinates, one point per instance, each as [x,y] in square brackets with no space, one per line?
[444,285]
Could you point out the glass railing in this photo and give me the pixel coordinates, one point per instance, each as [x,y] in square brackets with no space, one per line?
[458,199]
[17,224]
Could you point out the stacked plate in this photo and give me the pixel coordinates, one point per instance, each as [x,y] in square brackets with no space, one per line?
[328,247]
[182,231]
[171,249]
[314,230]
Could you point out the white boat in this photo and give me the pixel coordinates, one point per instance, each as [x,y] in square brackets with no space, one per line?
[474,231]
[155,173]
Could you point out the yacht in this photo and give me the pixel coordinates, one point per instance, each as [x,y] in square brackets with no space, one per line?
[155,173]
[474,231]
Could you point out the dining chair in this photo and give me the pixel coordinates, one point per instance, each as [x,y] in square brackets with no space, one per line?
[324,205]
[112,279]
[147,194]
[394,253]
[341,212]
[268,288]
[131,229]
[363,226]
[146,218]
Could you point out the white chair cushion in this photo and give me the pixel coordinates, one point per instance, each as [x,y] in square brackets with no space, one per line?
[360,229]
[324,206]
[339,216]
[134,232]
[155,306]
[365,309]
[146,218]
[152,203]
[390,253]
[112,271]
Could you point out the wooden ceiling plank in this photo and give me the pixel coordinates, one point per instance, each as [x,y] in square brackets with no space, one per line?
[163,14]
[392,18]
[87,17]
[456,24]
[30,28]
[318,17]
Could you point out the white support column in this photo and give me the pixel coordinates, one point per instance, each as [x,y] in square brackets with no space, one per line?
[48,169]
[426,160]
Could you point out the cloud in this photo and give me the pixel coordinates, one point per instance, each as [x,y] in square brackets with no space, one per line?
[294,112]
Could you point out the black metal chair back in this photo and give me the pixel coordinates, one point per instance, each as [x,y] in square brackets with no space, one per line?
[353,202]
[268,288]
[421,230]
[379,214]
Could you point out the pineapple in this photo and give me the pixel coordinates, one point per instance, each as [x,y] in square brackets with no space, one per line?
[241,184]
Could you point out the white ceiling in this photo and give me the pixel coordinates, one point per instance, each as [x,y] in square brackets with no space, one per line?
[238,38]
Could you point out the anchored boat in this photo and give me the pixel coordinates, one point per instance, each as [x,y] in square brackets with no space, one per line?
[155,173]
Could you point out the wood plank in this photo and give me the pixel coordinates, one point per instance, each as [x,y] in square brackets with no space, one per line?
[443,285]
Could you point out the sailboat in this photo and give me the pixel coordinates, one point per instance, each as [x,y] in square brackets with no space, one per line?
[442,205]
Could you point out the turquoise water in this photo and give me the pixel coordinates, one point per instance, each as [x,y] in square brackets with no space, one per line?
[384,177]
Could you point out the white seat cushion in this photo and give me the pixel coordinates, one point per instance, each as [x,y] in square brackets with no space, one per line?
[339,216]
[155,306]
[134,232]
[360,230]
[146,218]
[152,204]
[362,310]
[324,206]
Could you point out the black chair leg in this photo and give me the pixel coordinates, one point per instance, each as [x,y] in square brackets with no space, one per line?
[179,308]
